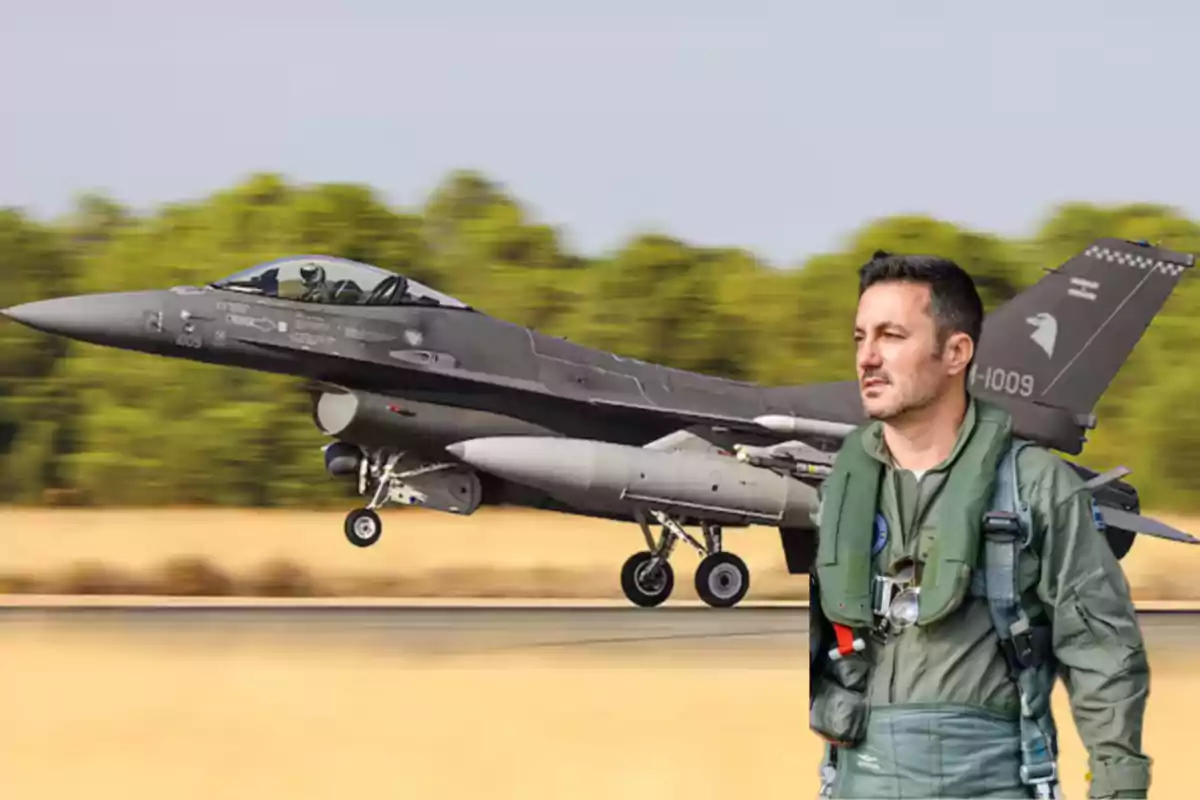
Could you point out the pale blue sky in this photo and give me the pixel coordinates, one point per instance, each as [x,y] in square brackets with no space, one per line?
[772,124]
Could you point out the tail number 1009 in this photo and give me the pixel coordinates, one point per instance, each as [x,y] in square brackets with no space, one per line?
[1004,380]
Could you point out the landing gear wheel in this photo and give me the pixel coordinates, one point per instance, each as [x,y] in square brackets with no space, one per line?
[363,527]
[645,587]
[722,580]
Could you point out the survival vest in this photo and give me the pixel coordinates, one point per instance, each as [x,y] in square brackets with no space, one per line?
[848,508]
[981,515]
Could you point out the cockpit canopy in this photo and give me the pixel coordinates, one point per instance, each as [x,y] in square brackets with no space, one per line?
[333,281]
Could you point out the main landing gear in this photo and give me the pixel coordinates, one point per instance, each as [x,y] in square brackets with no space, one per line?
[722,579]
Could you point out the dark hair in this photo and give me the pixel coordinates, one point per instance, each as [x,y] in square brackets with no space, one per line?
[954,301]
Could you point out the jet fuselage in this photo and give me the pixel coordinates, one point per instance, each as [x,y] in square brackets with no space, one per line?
[447,356]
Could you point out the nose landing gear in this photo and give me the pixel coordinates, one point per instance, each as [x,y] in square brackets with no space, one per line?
[395,477]
[363,527]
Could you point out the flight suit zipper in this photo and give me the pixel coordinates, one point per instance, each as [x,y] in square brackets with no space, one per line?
[909,539]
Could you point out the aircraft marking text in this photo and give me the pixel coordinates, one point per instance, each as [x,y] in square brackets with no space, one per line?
[261,323]
[154,321]
[365,335]
[189,337]
[1008,381]
[311,339]
[311,323]
[1083,289]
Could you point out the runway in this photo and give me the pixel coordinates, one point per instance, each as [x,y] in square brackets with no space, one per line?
[748,635]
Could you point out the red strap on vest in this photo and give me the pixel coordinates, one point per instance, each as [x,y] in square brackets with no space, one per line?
[845,639]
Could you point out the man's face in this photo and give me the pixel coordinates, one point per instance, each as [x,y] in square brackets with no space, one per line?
[900,366]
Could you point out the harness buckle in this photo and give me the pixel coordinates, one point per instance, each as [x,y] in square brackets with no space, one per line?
[1027,646]
[1020,648]
[1043,778]
[1045,772]
[828,776]
[1024,650]
[1002,525]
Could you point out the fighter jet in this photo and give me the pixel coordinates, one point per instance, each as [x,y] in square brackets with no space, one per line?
[430,402]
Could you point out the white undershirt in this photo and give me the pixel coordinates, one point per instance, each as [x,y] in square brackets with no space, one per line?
[918,473]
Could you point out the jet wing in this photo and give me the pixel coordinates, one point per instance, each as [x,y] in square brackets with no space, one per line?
[1119,518]
[685,416]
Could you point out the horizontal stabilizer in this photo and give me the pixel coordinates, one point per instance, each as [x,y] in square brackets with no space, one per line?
[1105,478]
[1127,520]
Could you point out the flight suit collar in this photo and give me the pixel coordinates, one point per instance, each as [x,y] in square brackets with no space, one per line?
[876,447]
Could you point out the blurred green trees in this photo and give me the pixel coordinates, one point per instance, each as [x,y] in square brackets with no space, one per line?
[85,424]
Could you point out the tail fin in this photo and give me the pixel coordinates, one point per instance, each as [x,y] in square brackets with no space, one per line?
[1051,352]
[1061,342]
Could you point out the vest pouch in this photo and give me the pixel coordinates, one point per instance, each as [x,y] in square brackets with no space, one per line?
[837,714]
[852,672]
[838,709]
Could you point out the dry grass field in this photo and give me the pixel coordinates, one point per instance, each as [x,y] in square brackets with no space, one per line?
[107,715]
[496,553]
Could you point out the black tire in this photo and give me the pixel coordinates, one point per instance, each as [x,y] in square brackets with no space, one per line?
[638,589]
[722,580]
[363,527]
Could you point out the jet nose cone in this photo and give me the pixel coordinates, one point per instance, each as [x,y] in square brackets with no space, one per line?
[113,319]
[45,315]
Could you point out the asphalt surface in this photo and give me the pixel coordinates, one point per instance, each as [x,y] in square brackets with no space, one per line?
[762,634]
[750,635]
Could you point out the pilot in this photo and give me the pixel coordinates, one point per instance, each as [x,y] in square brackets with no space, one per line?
[316,287]
[930,676]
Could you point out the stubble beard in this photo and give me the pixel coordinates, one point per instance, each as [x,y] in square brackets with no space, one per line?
[922,393]
[916,400]
[907,406]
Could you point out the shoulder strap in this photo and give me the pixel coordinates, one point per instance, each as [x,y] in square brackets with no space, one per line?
[1007,497]
[1008,529]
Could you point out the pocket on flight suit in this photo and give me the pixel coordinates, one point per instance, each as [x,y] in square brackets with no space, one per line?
[1094,618]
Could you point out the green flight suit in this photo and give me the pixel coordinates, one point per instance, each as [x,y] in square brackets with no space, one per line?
[942,709]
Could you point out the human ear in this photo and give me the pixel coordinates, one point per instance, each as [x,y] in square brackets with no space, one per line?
[958,352]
